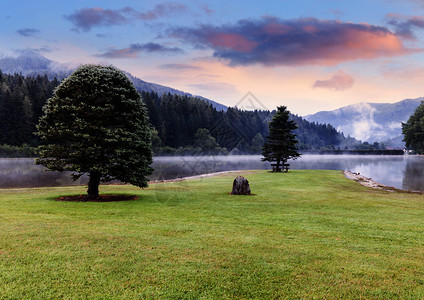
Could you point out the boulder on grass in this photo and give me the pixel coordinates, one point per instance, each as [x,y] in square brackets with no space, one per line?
[240,186]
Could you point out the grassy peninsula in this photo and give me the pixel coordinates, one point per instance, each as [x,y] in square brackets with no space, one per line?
[305,234]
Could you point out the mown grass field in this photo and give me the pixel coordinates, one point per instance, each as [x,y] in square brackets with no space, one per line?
[305,234]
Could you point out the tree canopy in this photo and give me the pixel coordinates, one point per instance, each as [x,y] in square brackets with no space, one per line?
[413,130]
[205,141]
[281,141]
[96,124]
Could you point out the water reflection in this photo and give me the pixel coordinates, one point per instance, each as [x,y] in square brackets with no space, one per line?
[386,169]
[413,176]
[405,172]
[183,166]
[21,172]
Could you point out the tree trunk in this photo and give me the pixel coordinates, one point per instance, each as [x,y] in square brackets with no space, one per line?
[277,167]
[93,185]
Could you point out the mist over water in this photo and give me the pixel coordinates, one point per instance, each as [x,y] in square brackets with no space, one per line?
[170,167]
[404,172]
[22,172]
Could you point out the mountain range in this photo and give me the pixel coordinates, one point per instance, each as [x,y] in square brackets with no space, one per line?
[371,122]
[30,63]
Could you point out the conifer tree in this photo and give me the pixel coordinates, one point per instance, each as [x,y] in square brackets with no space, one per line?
[96,124]
[281,141]
[413,130]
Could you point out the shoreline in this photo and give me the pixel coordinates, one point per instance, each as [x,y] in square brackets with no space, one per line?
[365,181]
[369,182]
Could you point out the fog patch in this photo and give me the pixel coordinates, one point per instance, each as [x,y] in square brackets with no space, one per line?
[363,125]
[58,67]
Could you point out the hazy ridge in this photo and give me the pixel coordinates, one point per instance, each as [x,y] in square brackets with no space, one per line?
[370,122]
[30,63]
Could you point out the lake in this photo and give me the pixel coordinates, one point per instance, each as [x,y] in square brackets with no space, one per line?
[404,172]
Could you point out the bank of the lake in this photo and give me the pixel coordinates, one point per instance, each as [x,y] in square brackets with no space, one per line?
[399,171]
[305,234]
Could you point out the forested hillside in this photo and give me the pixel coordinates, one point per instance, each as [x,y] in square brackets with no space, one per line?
[31,63]
[181,123]
[177,119]
[21,102]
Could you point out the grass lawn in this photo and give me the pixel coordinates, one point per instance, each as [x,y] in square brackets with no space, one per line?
[305,234]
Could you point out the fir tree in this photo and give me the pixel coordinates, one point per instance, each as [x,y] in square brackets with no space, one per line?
[281,141]
[413,130]
[96,124]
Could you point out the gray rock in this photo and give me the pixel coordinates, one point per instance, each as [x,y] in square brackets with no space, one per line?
[240,186]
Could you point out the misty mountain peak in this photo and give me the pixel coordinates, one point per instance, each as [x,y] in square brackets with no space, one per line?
[26,63]
[31,63]
[369,121]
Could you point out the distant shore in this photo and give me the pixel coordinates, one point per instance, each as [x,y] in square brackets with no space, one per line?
[356,152]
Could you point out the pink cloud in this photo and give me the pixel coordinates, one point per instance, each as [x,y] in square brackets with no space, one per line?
[272,41]
[403,72]
[275,28]
[232,41]
[338,82]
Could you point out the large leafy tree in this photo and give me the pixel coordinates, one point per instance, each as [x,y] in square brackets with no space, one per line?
[96,124]
[281,142]
[413,130]
[205,141]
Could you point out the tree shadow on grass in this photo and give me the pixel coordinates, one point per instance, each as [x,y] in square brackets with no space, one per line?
[101,198]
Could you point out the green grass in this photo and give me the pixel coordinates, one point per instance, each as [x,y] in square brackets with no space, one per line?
[305,234]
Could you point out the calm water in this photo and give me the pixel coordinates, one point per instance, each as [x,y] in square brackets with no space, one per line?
[405,172]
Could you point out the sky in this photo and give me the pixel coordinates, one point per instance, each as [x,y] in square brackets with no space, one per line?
[309,55]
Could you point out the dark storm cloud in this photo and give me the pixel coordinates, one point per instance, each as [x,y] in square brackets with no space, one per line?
[27,32]
[86,18]
[271,41]
[133,50]
[405,26]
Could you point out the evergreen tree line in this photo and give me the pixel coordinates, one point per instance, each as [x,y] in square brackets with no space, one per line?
[21,103]
[181,124]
